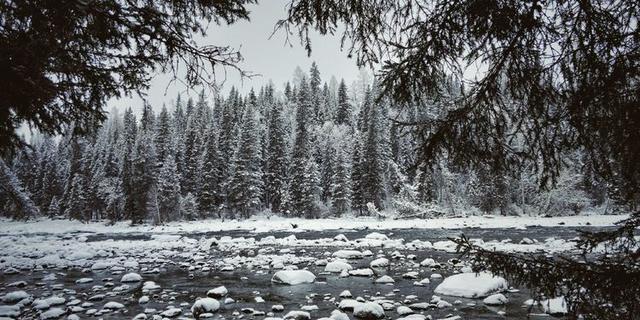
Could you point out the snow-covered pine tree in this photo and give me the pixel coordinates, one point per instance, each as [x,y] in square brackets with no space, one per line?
[129,137]
[328,104]
[76,207]
[227,140]
[191,164]
[144,180]
[246,185]
[163,134]
[373,180]
[178,126]
[148,118]
[357,177]
[344,113]
[54,207]
[168,190]
[13,188]
[328,155]
[301,191]
[211,192]
[277,159]
[341,184]
[311,191]
[315,95]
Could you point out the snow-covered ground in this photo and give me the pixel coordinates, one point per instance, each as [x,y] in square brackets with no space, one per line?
[55,269]
[275,223]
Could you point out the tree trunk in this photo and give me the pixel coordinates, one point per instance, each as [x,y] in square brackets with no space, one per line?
[11,185]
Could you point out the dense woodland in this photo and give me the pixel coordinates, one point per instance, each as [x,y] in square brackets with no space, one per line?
[312,149]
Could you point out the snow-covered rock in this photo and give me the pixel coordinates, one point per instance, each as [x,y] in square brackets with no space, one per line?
[112,305]
[297,315]
[379,263]
[404,310]
[376,236]
[422,282]
[131,277]
[345,294]
[495,299]
[347,254]
[84,280]
[341,237]
[171,312]
[471,285]
[348,304]
[309,308]
[10,311]
[337,266]
[368,311]
[414,317]
[428,262]
[218,292]
[366,272]
[53,313]
[15,296]
[293,277]
[338,315]
[204,305]
[385,280]
[150,286]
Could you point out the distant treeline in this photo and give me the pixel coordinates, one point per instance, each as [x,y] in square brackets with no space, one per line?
[310,149]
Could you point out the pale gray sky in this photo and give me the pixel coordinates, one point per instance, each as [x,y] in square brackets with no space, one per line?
[271,58]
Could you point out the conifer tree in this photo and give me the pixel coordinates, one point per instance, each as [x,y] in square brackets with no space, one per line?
[191,164]
[246,184]
[211,192]
[301,197]
[128,145]
[340,184]
[315,94]
[163,135]
[168,190]
[326,170]
[357,177]
[144,180]
[373,155]
[76,207]
[344,112]
[277,159]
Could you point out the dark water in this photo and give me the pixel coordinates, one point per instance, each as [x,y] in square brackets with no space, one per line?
[182,286]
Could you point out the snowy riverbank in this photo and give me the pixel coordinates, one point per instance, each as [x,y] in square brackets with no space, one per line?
[274,223]
[47,274]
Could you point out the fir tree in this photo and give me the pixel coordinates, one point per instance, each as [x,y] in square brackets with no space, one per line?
[168,190]
[301,197]
[163,135]
[77,207]
[374,190]
[340,185]
[211,192]
[191,164]
[357,178]
[246,184]
[344,112]
[315,94]
[277,159]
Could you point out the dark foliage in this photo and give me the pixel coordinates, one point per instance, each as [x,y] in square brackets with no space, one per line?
[555,76]
[62,60]
[598,285]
